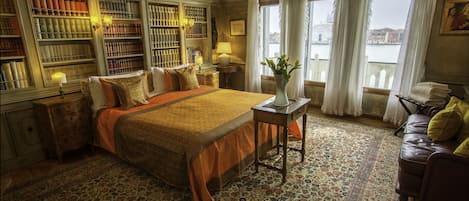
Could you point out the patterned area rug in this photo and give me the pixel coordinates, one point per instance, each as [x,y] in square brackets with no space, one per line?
[344,161]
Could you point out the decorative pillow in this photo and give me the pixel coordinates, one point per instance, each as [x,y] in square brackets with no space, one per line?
[464,109]
[130,91]
[171,80]
[463,149]
[111,98]
[187,78]
[445,124]
[159,79]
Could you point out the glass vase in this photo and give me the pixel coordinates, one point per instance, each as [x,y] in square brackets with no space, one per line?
[281,98]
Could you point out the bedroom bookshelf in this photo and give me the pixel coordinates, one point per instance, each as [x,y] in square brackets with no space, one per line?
[164,34]
[123,39]
[14,71]
[198,37]
[64,39]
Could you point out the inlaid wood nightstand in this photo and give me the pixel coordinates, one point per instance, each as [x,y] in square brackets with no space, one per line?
[64,124]
[209,77]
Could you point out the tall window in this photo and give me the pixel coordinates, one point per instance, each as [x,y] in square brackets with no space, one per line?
[270,34]
[318,42]
[385,34]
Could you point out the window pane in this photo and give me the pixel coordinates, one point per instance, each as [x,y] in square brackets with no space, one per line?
[319,40]
[384,41]
[270,34]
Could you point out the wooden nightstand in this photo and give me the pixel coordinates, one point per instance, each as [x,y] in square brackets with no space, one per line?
[208,77]
[64,124]
[227,71]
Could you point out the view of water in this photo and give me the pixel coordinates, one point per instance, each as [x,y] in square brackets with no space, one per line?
[375,53]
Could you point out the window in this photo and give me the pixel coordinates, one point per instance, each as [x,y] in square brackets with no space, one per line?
[384,41]
[270,34]
[318,42]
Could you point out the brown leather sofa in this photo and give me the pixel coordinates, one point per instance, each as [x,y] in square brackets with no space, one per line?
[429,170]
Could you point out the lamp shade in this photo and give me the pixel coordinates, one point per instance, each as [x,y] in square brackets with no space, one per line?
[224,47]
[59,77]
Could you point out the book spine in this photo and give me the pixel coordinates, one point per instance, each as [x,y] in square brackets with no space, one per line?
[8,74]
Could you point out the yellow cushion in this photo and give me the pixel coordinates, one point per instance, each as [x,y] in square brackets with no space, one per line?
[445,124]
[463,149]
[463,107]
[187,78]
[130,91]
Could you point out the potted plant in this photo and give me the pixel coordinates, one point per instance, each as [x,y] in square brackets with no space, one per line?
[282,72]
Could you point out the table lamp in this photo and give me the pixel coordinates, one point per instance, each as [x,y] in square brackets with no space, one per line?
[224,49]
[60,78]
[199,60]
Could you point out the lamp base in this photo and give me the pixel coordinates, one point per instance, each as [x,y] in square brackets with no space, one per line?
[224,59]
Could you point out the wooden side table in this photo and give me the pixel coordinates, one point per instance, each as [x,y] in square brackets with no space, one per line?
[209,77]
[281,116]
[227,71]
[64,123]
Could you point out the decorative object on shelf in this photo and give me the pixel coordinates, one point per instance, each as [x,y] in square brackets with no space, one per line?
[199,60]
[187,23]
[282,72]
[224,49]
[455,17]
[238,27]
[60,78]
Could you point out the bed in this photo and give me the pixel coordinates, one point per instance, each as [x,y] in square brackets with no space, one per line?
[199,138]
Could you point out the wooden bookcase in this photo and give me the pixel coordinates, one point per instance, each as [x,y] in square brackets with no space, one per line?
[14,71]
[198,37]
[64,38]
[164,34]
[123,39]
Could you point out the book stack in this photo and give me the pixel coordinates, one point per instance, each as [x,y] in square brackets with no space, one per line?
[126,9]
[9,26]
[64,52]
[13,75]
[7,7]
[60,28]
[166,58]
[163,15]
[197,31]
[60,7]
[11,47]
[121,48]
[196,13]
[164,38]
[125,65]
[116,30]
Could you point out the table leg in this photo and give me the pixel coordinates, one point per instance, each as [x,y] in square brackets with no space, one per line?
[303,139]
[278,139]
[284,146]
[256,153]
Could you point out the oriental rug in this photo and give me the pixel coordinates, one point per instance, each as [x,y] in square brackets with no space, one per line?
[344,161]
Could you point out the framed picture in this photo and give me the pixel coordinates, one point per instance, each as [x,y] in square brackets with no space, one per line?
[455,17]
[238,27]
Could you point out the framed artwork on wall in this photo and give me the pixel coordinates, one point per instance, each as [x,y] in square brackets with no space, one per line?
[455,17]
[238,27]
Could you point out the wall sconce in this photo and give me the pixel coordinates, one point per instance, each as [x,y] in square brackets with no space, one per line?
[95,22]
[107,21]
[60,78]
[187,22]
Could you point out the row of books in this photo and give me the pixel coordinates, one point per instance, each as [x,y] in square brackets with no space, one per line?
[197,31]
[166,58]
[11,47]
[198,14]
[123,30]
[9,26]
[14,75]
[162,38]
[120,48]
[54,28]
[65,52]
[73,72]
[7,7]
[60,7]
[163,15]
[128,9]
[117,66]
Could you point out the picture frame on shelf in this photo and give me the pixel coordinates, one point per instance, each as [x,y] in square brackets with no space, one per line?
[238,27]
[455,17]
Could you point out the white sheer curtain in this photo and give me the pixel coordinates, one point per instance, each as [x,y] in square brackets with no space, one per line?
[293,41]
[343,93]
[411,67]
[253,58]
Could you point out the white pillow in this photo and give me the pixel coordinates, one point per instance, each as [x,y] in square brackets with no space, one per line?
[159,84]
[96,89]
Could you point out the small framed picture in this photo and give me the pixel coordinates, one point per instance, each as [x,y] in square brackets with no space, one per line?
[238,27]
[455,18]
